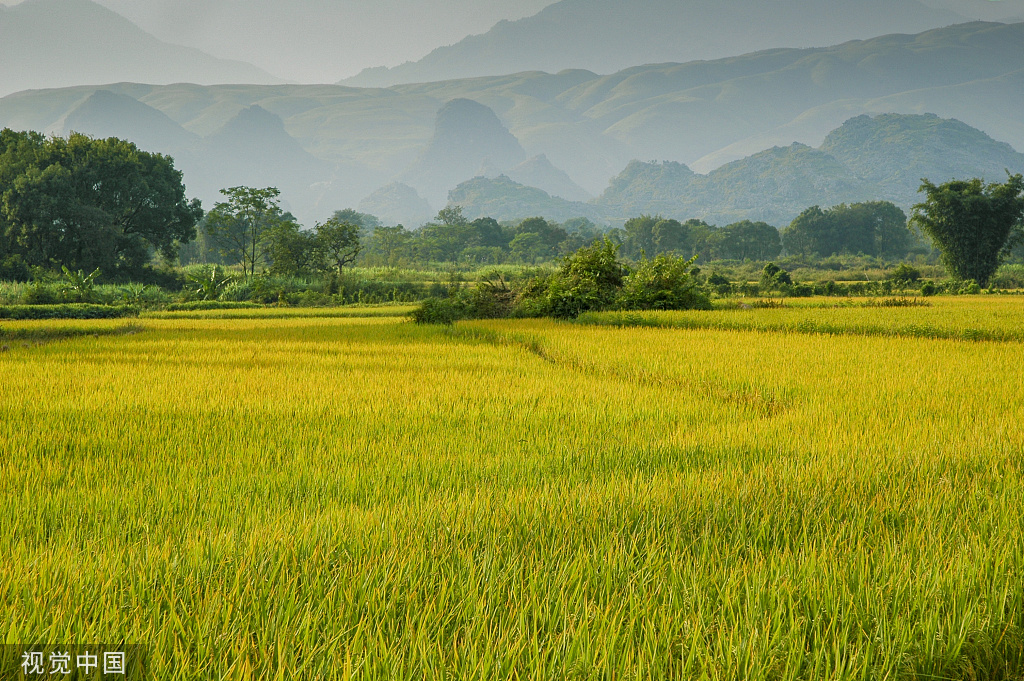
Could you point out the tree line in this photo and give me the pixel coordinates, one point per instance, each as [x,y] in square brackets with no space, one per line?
[105,205]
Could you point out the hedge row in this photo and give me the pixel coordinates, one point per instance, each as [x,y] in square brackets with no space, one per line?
[68,311]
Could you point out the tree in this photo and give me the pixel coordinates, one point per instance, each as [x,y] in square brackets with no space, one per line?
[292,250]
[551,235]
[240,225]
[877,228]
[971,223]
[747,240]
[451,216]
[388,244]
[640,235]
[86,203]
[338,242]
[670,236]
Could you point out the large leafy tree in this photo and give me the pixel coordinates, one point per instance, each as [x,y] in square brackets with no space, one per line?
[746,239]
[240,225]
[338,242]
[85,203]
[876,228]
[971,223]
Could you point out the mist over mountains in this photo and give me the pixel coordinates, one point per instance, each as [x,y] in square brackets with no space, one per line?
[404,148]
[59,43]
[606,36]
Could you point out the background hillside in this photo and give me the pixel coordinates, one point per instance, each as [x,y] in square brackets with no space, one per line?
[609,35]
[355,141]
[57,43]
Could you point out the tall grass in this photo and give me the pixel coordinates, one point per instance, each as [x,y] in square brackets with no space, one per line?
[978,318]
[366,498]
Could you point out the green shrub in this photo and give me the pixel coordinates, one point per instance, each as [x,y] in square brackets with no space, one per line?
[589,280]
[436,311]
[70,311]
[663,283]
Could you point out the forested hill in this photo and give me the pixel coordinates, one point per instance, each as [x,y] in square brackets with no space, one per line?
[609,35]
[866,159]
[589,127]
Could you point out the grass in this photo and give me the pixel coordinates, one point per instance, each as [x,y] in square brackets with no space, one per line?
[390,310]
[973,318]
[325,497]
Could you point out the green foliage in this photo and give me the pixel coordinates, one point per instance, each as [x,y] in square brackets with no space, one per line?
[905,274]
[873,228]
[436,311]
[79,285]
[971,223]
[589,279]
[208,284]
[240,225]
[293,251]
[773,276]
[745,240]
[89,203]
[338,242]
[68,311]
[663,283]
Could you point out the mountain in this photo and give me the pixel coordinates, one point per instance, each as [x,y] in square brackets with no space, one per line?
[539,172]
[609,35]
[773,186]
[58,43]
[108,114]
[866,159]
[894,152]
[469,139]
[589,127]
[503,199]
[397,204]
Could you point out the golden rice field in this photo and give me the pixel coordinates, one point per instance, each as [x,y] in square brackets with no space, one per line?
[335,498]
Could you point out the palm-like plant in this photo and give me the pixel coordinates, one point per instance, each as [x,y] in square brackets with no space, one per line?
[80,284]
[209,284]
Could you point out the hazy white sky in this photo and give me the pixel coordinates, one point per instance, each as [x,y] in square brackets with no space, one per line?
[318,40]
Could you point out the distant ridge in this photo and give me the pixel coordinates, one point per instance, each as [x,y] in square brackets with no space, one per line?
[865,159]
[609,35]
[702,114]
[59,43]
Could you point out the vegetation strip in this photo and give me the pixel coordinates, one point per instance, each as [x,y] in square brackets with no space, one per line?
[68,311]
[728,322]
[65,332]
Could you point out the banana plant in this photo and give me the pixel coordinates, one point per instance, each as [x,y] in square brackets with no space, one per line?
[208,285]
[79,284]
[134,294]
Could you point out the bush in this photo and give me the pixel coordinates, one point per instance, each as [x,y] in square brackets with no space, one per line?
[663,283]
[436,311]
[773,276]
[589,280]
[905,274]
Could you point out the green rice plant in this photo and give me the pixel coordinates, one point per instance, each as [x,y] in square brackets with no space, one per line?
[311,497]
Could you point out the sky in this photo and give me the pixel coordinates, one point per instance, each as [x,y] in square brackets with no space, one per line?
[318,41]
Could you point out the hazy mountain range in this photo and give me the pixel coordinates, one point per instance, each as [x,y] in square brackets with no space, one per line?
[331,146]
[610,35]
[57,43]
[866,159]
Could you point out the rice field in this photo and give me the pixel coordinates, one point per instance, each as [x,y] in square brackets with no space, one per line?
[334,498]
